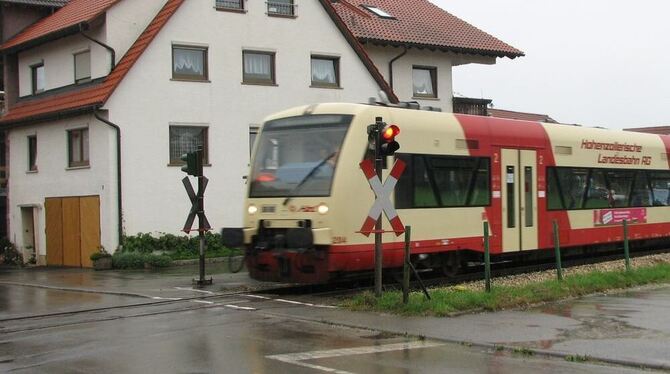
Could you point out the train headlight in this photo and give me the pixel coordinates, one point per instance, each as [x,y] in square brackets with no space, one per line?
[323,208]
[252,209]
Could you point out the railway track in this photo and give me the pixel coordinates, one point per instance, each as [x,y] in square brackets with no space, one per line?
[299,292]
[475,272]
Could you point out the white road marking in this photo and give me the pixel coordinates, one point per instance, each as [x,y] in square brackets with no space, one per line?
[202,301]
[258,297]
[239,307]
[194,290]
[292,302]
[305,304]
[166,298]
[297,358]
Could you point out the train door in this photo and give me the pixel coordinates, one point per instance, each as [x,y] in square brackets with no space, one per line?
[519,199]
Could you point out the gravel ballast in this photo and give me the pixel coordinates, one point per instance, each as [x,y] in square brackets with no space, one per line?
[540,276]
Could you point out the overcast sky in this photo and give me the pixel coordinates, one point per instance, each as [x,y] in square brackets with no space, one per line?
[592,62]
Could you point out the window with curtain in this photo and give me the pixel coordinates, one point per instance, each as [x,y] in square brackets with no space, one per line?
[82,67]
[325,71]
[424,81]
[189,63]
[78,147]
[259,67]
[185,139]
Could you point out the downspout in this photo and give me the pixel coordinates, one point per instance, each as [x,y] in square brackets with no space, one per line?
[118,172]
[404,52]
[107,47]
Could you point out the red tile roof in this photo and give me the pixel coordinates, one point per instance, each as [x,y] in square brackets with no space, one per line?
[500,113]
[92,96]
[359,50]
[71,15]
[663,130]
[419,23]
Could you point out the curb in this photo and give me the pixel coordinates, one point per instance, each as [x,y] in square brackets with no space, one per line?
[508,348]
[195,261]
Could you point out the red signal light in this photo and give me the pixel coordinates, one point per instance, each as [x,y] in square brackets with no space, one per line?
[265,177]
[390,132]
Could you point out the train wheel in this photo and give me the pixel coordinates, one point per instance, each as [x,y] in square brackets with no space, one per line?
[451,264]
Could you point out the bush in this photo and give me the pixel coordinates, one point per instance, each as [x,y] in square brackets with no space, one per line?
[137,260]
[95,256]
[159,261]
[177,247]
[128,260]
[8,253]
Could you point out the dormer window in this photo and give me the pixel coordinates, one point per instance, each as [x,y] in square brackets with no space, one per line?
[379,12]
[37,78]
[82,67]
[424,81]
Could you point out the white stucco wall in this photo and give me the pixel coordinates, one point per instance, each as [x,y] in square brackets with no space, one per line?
[148,101]
[58,59]
[402,71]
[54,179]
[126,20]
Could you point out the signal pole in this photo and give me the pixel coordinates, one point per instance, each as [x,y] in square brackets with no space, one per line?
[201,218]
[379,255]
[193,166]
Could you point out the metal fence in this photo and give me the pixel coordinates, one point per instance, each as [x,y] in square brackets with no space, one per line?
[229,4]
[281,8]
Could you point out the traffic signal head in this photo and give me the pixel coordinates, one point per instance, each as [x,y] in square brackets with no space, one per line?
[191,163]
[388,145]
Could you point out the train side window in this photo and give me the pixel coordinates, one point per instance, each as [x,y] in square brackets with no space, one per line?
[620,183]
[598,195]
[554,196]
[641,195]
[404,190]
[443,181]
[572,182]
[423,192]
[660,184]
[452,177]
[415,188]
[461,181]
[480,194]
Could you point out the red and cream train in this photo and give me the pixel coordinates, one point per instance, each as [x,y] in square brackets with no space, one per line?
[307,196]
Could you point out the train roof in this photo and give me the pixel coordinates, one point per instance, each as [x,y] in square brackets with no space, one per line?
[569,142]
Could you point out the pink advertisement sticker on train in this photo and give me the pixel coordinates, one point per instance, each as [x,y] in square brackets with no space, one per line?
[604,217]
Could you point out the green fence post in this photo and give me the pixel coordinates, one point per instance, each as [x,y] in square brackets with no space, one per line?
[405,269]
[557,246]
[487,257]
[626,248]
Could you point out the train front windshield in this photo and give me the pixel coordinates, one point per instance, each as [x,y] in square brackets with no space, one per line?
[297,156]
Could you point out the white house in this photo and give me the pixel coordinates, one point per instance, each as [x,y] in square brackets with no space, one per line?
[109,94]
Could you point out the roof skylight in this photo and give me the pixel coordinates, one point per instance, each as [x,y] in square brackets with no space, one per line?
[379,12]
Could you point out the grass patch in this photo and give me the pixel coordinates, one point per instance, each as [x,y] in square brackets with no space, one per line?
[447,301]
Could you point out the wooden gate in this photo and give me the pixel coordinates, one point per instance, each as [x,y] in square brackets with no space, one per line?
[72,230]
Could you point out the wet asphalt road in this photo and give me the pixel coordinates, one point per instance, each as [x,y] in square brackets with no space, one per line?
[221,334]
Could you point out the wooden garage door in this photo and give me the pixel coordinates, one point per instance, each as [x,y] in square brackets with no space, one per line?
[72,230]
[54,230]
